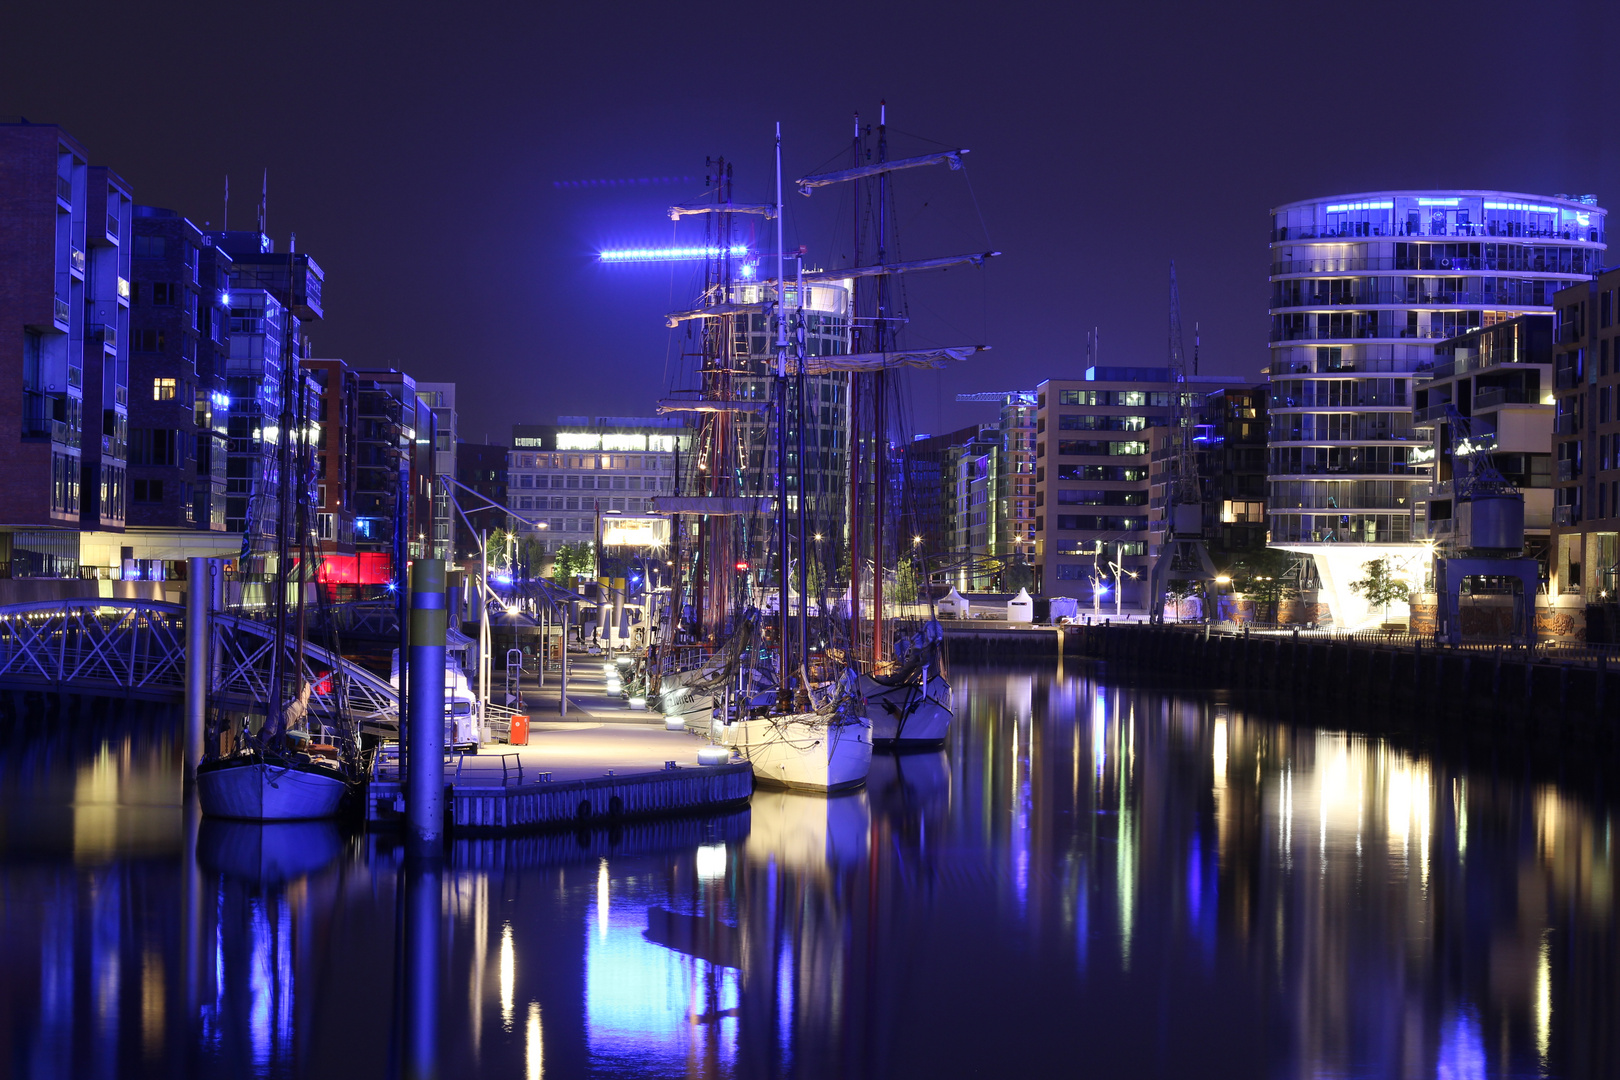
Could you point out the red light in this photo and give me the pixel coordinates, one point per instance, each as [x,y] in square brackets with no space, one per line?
[742,566]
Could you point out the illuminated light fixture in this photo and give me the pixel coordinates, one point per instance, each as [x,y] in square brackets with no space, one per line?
[1339,208]
[749,270]
[670,254]
[225,299]
[1521,206]
[1439,202]
[1222,579]
[742,566]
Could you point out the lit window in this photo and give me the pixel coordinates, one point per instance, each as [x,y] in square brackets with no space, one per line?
[163,389]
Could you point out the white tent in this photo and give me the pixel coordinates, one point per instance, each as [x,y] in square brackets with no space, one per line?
[1064,607]
[1021,609]
[953,606]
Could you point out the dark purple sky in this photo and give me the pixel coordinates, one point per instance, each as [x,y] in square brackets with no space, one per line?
[415,150]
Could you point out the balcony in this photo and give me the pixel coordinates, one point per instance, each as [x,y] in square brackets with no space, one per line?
[1502,395]
[1564,425]
[76,260]
[39,427]
[1567,471]
[112,226]
[64,190]
[1431,413]
[62,311]
[1563,515]
[105,333]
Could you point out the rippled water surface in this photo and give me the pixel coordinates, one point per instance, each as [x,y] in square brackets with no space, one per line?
[1088,881]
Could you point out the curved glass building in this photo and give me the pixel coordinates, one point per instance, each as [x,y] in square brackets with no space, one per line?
[1363,287]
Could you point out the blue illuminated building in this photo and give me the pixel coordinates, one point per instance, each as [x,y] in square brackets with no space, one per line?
[1363,287]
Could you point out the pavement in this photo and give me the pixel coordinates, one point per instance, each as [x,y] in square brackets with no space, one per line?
[599,733]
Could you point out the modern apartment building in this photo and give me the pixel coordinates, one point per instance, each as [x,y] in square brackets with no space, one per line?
[176,431]
[1229,445]
[977,465]
[1586,450]
[1491,391]
[64,311]
[928,467]
[1093,438]
[1363,288]
[441,398]
[273,297]
[560,476]
[482,467]
[335,473]
[394,473]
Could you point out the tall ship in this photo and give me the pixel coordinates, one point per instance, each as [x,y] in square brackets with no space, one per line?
[796,595]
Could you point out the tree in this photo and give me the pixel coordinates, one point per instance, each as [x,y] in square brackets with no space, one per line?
[1266,577]
[573,560]
[1181,590]
[1380,587]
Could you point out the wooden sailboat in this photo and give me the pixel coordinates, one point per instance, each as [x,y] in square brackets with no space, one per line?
[264,776]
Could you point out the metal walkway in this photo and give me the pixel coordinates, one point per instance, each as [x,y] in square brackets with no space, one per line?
[137,648]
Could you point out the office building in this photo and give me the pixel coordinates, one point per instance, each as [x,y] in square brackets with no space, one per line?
[1229,446]
[1363,288]
[1586,457]
[560,476]
[1093,438]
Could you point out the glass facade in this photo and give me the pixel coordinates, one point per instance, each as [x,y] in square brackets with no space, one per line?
[1363,287]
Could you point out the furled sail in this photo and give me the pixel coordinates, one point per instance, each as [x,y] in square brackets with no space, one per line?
[884,361]
[953,158]
[675,318]
[811,277]
[680,210]
[668,405]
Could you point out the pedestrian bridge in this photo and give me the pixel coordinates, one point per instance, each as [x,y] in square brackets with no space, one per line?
[136,648]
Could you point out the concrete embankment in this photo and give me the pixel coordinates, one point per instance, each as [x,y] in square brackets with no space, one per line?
[1549,695]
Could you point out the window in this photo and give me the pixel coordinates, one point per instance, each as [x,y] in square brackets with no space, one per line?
[163,389]
[148,340]
[150,247]
[165,294]
[146,491]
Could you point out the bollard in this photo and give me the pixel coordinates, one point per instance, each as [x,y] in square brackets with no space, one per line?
[199,657]
[424,747]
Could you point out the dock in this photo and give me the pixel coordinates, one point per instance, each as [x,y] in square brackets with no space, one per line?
[605,763]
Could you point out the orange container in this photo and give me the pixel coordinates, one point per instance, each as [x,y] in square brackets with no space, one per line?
[518,735]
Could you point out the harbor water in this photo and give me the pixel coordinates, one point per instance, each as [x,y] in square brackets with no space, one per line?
[1089,880]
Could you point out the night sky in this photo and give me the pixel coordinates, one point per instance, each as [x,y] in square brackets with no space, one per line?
[429,157]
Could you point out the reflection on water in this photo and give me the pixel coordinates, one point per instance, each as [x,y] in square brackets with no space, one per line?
[1088,879]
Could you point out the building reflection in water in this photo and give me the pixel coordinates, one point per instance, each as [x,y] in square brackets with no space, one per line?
[1152,885]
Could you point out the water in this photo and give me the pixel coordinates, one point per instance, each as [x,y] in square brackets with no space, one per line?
[1088,881]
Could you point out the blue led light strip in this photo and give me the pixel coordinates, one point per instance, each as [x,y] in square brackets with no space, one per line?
[669,254]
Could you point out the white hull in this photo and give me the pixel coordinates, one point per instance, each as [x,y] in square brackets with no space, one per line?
[257,791]
[908,716]
[805,751]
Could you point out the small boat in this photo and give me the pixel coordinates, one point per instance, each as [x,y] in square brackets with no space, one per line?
[261,785]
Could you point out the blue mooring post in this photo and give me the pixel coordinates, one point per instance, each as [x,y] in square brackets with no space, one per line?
[424,731]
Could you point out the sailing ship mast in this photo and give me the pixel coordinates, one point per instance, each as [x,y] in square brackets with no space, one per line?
[874,354]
